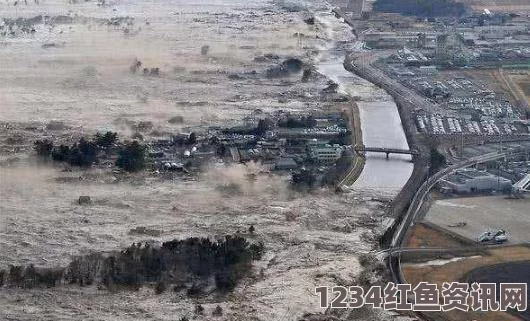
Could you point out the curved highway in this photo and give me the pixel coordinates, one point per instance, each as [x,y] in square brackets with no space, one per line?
[394,261]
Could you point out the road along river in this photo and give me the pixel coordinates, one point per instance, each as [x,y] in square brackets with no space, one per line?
[380,122]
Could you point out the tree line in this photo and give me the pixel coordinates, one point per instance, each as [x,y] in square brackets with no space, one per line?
[86,152]
[193,263]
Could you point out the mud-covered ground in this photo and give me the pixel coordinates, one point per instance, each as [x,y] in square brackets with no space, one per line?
[310,239]
[78,68]
[71,76]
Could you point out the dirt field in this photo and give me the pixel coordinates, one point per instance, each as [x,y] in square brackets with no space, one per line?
[525,86]
[522,81]
[426,235]
[456,270]
[481,214]
[513,272]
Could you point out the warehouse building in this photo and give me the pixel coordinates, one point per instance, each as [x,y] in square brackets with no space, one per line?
[473,181]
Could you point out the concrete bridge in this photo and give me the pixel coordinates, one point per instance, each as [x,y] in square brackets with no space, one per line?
[363,149]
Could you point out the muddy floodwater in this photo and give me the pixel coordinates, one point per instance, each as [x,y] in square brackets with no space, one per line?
[75,66]
[68,74]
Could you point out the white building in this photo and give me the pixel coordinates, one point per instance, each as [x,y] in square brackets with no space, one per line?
[473,181]
[326,153]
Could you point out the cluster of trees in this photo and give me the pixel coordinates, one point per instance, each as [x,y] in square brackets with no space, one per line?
[437,161]
[30,276]
[332,176]
[421,8]
[194,261]
[264,125]
[309,177]
[84,153]
[298,122]
[190,140]
[286,68]
[106,140]
[131,157]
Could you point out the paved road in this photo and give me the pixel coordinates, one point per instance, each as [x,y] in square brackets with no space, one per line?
[417,202]
[353,173]
[364,63]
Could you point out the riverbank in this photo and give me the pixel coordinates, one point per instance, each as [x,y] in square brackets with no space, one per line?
[420,169]
[357,165]
[405,107]
[377,117]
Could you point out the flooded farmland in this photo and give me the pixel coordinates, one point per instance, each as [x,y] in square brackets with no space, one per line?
[66,72]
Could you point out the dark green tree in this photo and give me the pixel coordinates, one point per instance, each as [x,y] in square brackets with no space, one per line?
[199,309]
[3,274]
[304,177]
[83,154]
[106,140]
[131,157]
[61,153]
[217,312]
[192,139]
[257,250]
[221,150]
[44,147]
[263,125]
[437,161]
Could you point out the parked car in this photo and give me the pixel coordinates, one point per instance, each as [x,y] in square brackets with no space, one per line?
[498,236]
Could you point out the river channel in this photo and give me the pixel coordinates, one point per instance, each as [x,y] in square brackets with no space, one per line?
[380,122]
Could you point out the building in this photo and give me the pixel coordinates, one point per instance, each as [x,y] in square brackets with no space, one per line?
[523,184]
[325,153]
[473,181]
[356,7]
[285,163]
[442,46]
